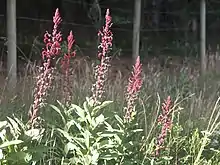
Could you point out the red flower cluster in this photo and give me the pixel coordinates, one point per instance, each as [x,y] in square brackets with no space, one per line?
[66,59]
[133,88]
[106,36]
[165,120]
[102,69]
[44,80]
[101,72]
[65,64]
[53,41]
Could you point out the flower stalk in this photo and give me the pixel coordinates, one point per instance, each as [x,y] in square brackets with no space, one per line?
[45,77]
[65,65]
[101,70]
[165,120]
[133,89]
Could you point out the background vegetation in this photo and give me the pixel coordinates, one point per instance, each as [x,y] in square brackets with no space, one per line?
[167,28]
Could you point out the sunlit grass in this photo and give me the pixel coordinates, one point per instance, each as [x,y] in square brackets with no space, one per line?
[200,92]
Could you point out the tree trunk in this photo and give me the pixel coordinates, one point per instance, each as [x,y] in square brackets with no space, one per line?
[136,29]
[203,36]
[11,44]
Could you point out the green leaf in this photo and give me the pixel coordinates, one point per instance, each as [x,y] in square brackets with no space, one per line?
[79,111]
[1,154]
[3,125]
[38,156]
[86,107]
[38,152]
[13,123]
[71,123]
[118,139]
[107,135]
[71,147]
[100,119]
[87,136]
[103,143]
[109,156]
[109,127]
[88,159]
[14,127]
[18,157]
[137,130]
[59,112]
[71,138]
[99,107]
[75,160]
[107,144]
[65,134]
[119,119]
[167,158]
[35,134]
[90,102]
[87,110]
[95,157]
[9,143]
[20,123]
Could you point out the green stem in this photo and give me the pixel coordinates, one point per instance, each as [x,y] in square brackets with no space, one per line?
[204,141]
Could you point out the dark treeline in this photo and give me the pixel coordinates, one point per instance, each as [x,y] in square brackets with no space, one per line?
[167,25]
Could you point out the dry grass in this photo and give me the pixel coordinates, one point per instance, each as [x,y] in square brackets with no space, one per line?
[179,79]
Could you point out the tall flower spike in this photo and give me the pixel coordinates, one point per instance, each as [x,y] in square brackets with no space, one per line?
[164,119]
[66,59]
[45,78]
[133,88]
[102,69]
[56,20]
[53,40]
[65,63]
[71,41]
[106,36]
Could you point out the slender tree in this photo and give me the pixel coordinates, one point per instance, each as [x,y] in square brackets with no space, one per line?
[11,43]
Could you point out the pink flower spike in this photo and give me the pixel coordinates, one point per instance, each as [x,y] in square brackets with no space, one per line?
[44,80]
[108,18]
[165,121]
[65,64]
[53,40]
[135,80]
[106,36]
[133,88]
[56,18]
[101,70]
[71,41]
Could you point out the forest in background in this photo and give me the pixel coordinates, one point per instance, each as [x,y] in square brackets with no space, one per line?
[168,27]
